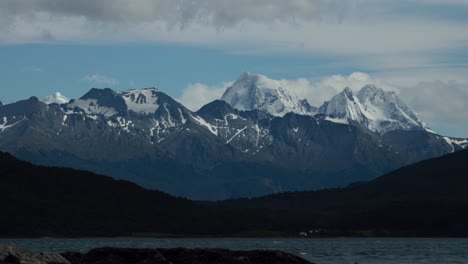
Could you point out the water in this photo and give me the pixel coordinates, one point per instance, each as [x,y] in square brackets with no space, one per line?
[321,251]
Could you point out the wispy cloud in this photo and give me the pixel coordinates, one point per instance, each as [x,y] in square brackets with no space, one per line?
[101,80]
[31,69]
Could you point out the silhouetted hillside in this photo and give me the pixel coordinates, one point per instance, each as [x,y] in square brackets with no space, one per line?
[429,197]
[45,201]
[424,199]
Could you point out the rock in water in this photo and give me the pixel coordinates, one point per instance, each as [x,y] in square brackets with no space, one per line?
[11,254]
[117,256]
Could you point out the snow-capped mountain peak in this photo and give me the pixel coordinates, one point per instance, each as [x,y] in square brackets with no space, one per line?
[109,102]
[387,107]
[56,98]
[255,91]
[376,109]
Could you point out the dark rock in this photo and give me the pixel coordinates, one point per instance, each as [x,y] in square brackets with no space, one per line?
[11,254]
[118,256]
[52,258]
[182,256]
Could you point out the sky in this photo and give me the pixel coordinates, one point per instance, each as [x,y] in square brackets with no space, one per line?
[193,49]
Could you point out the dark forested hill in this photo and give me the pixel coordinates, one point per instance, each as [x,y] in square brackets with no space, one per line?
[425,199]
[46,201]
[429,197]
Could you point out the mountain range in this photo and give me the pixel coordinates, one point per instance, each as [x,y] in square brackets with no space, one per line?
[258,139]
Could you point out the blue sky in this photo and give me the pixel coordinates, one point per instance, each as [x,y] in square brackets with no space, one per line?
[192,49]
[52,67]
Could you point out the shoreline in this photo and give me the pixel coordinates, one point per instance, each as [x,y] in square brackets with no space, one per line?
[12,254]
[232,237]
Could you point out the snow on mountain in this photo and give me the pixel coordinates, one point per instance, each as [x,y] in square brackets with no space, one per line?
[378,110]
[56,98]
[254,91]
[342,107]
[108,102]
[144,101]
[146,112]
[387,110]
[92,107]
[457,143]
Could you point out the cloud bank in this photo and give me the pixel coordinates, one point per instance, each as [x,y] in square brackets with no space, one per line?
[181,13]
[325,27]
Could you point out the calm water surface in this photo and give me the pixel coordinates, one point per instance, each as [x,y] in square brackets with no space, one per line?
[321,251]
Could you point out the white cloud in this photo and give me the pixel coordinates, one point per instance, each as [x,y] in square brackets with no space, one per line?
[98,79]
[324,89]
[198,94]
[441,104]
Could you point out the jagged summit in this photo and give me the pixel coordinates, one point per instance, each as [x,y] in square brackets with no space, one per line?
[255,91]
[56,98]
[344,106]
[109,102]
[374,108]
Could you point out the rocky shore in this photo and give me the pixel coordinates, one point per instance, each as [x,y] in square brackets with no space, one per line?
[11,254]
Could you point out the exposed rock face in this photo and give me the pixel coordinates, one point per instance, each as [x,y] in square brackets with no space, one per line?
[11,254]
[183,256]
